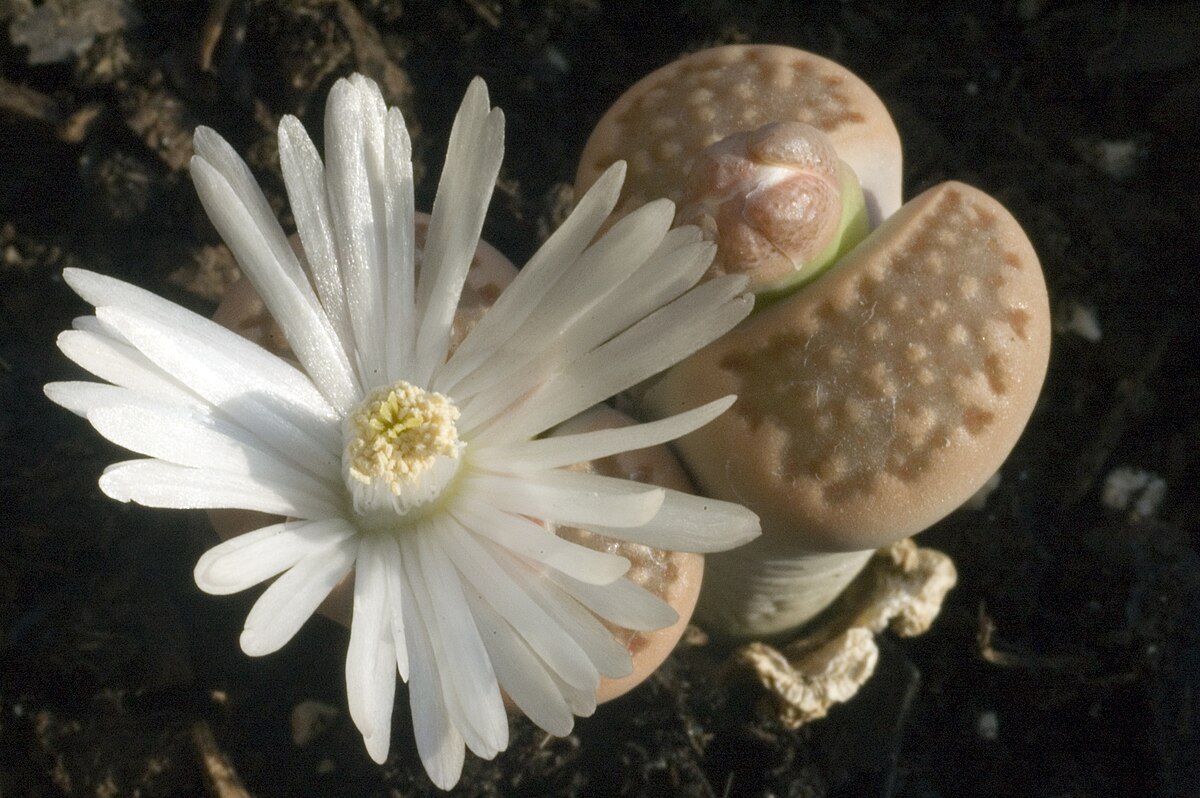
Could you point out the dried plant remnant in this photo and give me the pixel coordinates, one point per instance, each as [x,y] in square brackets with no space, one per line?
[902,588]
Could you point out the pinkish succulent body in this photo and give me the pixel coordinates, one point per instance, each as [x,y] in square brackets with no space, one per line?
[882,393]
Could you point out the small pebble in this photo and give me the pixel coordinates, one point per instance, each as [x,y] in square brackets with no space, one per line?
[309,719]
[1128,488]
[1080,320]
[987,725]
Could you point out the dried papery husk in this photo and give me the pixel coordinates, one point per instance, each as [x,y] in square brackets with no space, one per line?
[901,589]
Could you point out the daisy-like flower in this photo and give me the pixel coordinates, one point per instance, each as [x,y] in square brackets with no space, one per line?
[418,468]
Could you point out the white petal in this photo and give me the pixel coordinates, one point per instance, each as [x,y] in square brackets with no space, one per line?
[121,364]
[221,379]
[528,539]
[670,271]
[527,290]
[246,560]
[460,680]
[564,450]
[188,437]
[217,152]
[401,314]
[393,571]
[674,267]
[80,397]
[380,696]
[369,630]
[154,483]
[601,267]
[353,153]
[610,657]
[622,603]
[272,374]
[581,701]
[294,597]
[567,497]
[466,670]
[650,346]
[522,675]
[480,567]
[439,743]
[690,523]
[654,284]
[304,177]
[383,210]
[468,178]
[263,253]
[93,325]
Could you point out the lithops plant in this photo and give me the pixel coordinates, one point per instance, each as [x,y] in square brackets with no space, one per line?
[874,399]
[673,576]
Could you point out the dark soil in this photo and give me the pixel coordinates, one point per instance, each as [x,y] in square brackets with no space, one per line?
[1080,116]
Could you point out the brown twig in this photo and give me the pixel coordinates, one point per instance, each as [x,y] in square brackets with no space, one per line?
[210,34]
[1055,663]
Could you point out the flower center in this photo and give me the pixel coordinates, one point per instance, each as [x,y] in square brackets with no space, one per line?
[401,449]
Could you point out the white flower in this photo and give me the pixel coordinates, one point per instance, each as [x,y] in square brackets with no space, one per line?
[420,471]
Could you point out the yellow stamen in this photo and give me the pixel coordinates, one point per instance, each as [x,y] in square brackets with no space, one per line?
[397,434]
